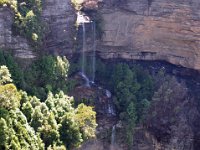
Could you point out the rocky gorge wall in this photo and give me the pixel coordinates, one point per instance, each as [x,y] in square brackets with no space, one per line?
[17,44]
[152,30]
[140,30]
[60,19]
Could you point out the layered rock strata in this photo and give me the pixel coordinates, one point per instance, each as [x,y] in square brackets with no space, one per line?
[59,17]
[17,44]
[152,30]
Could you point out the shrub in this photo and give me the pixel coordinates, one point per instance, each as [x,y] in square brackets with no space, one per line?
[27,19]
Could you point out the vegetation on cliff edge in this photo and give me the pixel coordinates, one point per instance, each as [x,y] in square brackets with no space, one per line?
[27,21]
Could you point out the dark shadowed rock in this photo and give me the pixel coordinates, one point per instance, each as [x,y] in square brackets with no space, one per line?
[172,121]
[60,18]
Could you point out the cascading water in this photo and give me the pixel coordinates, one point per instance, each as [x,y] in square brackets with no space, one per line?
[113,136]
[110,109]
[83,74]
[108,94]
[93,61]
[83,49]
[87,81]
[94,52]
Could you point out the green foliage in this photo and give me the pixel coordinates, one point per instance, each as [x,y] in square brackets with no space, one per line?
[71,84]
[59,104]
[69,131]
[132,88]
[131,114]
[28,123]
[16,133]
[49,131]
[4,2]
[77,4]
[15,70]
[27,22]
[28,110]
[86,119]
[55,147]
[29,25]
[131,117]
[10,98]
[27,19]
[47,74]
[142,109]
[5,76]
[11,3]
[3,134]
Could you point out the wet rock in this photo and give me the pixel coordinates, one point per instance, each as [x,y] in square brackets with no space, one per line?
[119,124]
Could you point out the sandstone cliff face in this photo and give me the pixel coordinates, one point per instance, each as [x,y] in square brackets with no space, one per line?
[152,30]
[59,20]
[60,17]
[145,30]
[17,44]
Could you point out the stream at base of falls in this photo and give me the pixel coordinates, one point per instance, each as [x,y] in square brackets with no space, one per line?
[113,135]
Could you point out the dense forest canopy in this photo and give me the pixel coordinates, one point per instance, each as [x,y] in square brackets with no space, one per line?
[28,123]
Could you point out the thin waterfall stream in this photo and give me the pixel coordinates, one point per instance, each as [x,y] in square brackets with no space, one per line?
[94,52]
[83,74]
[113,135]
[110,109]
[83,49]
[92,65]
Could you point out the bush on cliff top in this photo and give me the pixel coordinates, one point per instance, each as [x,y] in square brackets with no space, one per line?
[27,19]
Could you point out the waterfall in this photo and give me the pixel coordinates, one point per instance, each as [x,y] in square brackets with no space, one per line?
[108,94]
[83,49]
[91,77]
[94,52]
[82,18]
[113,135]
[110,108]
[87,81]
[93,61]
[83,73]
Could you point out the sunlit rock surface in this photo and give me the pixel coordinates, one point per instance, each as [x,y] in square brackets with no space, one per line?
[152,30]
